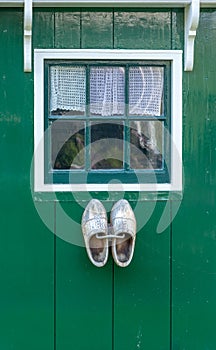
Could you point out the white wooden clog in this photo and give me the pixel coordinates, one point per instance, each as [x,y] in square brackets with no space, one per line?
[95,229]
[123,222]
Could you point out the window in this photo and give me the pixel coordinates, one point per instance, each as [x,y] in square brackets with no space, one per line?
[107,115]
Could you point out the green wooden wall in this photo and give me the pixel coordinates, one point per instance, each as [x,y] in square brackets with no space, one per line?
[51,297]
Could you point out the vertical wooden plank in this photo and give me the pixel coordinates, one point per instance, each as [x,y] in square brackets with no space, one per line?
[97,29]
[142,290]
[177,29]
[138,29]
[43,28]
[194,229]
[26,258]
[83,291]
[26,249]
[67,29]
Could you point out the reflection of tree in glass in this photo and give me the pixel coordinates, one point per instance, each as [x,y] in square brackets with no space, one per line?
[105,153]
[108,163]
[149,157]
[66,112]
[69,151]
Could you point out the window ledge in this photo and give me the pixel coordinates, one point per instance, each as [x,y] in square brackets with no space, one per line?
[82,197]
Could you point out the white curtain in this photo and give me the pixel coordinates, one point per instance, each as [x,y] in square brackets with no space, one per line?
[107,90]
[68,88]
[145,90]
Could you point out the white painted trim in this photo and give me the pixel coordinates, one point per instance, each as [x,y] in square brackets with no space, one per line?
[105,188]
[38,123]
[176,123]
[192,14]
[108,3]
[107,54]
[174,56]
[207,3]
[98,3]
[27,36]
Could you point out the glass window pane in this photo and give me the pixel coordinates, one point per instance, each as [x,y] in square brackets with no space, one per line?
[107,91]
[67,90]
[146,91]
[67,144]
[107,145]
[146,145]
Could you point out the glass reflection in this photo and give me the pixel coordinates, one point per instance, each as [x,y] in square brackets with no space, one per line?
[107,146]
[67,144]
[146,145]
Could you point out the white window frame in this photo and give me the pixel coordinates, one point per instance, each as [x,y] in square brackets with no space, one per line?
[174,56]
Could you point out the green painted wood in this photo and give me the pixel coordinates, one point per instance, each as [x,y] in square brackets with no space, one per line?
[142,290]
[26,258]
[83,292]
[194,238]
[97,29]
[43,28]
[136,29]
[67,29]
[177,38]
[11,65]
[72,304]
[26,249]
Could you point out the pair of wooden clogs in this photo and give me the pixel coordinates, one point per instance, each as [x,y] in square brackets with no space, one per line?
[120,234]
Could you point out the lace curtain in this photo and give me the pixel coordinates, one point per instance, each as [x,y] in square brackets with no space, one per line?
[107,90]
[145,90]
[67,88]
